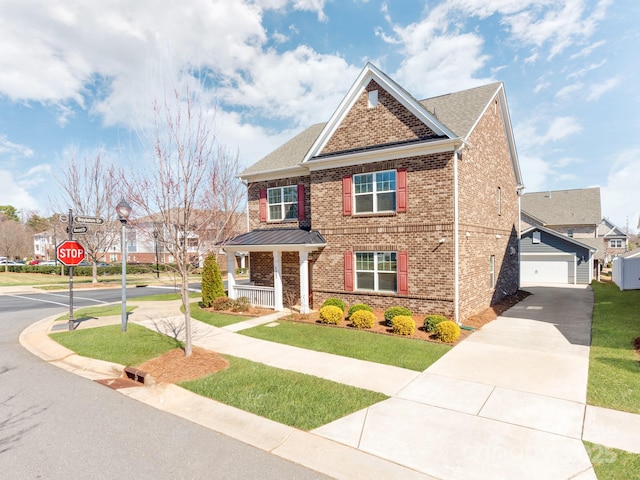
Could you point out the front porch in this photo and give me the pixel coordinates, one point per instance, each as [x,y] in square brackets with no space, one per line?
[268,288]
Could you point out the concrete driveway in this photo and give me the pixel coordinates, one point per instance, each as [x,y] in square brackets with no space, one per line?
[508,402]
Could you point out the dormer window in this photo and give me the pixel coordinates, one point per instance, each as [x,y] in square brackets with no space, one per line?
[373,98]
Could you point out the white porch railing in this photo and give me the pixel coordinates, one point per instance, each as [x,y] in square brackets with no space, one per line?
[258,296]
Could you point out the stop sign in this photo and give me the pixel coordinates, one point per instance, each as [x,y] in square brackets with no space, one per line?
[70,253]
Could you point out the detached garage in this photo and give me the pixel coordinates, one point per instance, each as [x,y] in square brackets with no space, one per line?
[547,256]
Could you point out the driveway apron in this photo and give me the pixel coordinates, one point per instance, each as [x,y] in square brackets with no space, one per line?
[507,402]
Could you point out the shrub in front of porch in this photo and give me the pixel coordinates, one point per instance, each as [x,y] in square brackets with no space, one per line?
[447,331]
[430,322]
[212,286]
[330,314]
[392,312]
[336,302]
[357,307]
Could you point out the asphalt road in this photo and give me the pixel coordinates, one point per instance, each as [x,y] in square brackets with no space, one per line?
[55,425]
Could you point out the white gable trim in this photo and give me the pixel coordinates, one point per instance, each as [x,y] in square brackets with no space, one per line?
[370,72]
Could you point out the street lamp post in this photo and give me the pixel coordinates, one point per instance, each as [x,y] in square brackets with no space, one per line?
[155,237]
[123,209]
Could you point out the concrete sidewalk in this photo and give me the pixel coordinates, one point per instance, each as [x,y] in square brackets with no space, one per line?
[507,402]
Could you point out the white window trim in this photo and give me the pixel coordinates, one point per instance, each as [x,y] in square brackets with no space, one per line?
[375,271]
[374,193]
[492,271]
[616,240]
[282,204]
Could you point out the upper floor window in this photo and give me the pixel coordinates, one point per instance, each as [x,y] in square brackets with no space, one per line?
[376,271]
[570,232]
[616,243]
[535,237]
[375,192]
[283,203]
[372,100]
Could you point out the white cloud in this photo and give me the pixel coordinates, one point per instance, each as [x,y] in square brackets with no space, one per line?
[12,193]
[535,172]
[569,90]
[11,149]
[596,91]
[620,192]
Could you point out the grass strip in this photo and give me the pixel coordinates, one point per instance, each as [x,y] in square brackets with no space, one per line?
[214,318]
[614,367]
[164,297]
[130,348]
[613,464]
[389,350]
[295,399]
[95,312]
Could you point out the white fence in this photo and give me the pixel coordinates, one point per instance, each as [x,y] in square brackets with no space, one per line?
[258,296]
[625,273]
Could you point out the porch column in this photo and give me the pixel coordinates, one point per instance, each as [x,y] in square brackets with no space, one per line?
[304,282]
[231,272]
[277,281]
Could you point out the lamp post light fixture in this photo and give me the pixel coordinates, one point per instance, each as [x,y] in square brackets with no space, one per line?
[123,209]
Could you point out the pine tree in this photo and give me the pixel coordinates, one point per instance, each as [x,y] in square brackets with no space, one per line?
[212,286]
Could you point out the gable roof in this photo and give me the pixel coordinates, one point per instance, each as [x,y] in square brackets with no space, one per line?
[452,117]
[608,229]
[581,243]
[564,207]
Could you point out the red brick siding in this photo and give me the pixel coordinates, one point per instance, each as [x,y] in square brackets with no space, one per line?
[483,168]
[388,122]
[254,203]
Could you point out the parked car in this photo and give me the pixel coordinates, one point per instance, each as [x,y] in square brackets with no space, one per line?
[34,262]
[48,263]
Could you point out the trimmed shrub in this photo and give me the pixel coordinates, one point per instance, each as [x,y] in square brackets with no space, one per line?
[240,304]
[362,319]
[221,303]
[357,307]
[392,312]
[447,331]
[331,314]
[212,286]
[336,302]
[430,322]
[403,325]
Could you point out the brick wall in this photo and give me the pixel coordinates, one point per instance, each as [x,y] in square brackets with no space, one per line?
[388,122]
[482,169]
[254,203]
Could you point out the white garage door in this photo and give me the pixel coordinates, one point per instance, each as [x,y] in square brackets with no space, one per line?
[544,270]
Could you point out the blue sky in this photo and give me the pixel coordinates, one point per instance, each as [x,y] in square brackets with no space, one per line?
[79,77]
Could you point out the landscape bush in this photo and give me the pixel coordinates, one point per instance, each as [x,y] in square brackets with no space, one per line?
[392,312]
[403,325]
[212,286]
[430,322]
[362,319]
[357,307]
[221,303]
[240,304]
[336,302]
[447,331]
[331,314]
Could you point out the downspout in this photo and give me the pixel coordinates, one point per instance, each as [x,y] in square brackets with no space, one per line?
[519,191]
[456,246]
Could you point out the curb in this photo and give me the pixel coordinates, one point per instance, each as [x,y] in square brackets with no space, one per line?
[304,448]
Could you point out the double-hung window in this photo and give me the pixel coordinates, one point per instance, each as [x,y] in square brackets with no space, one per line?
[377,271]
[615,243]
[283,203]
[375,192]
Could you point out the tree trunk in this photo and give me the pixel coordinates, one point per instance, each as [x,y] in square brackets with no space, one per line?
[94,271]
[184,291]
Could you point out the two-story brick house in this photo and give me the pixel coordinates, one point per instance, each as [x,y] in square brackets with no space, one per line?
[393,201]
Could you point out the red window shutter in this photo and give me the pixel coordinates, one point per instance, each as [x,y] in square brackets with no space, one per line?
[403,273]
[346,195]
[301,201]
[348,271]
[263,204]
[401,196]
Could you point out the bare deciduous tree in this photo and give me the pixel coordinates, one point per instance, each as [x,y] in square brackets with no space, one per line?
[90,189]
[189,193]
[15,240]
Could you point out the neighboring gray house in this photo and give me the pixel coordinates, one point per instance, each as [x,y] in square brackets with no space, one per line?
[615,241]
[559,239]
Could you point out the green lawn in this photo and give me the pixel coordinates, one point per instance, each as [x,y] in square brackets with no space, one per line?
[95,312]
[130,348]
[301,401]
[613,464]
[164,297]
[400,352]
[614,368]
[214,318]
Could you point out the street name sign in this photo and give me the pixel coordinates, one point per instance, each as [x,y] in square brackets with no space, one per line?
[70,253]
[92,220]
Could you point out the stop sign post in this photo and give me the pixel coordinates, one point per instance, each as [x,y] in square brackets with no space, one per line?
[70,253]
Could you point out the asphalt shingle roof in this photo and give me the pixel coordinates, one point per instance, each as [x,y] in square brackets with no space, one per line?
[278,236]
[460,111]
[564,207]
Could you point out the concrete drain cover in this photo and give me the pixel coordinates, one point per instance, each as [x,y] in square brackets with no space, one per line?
[118,383]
